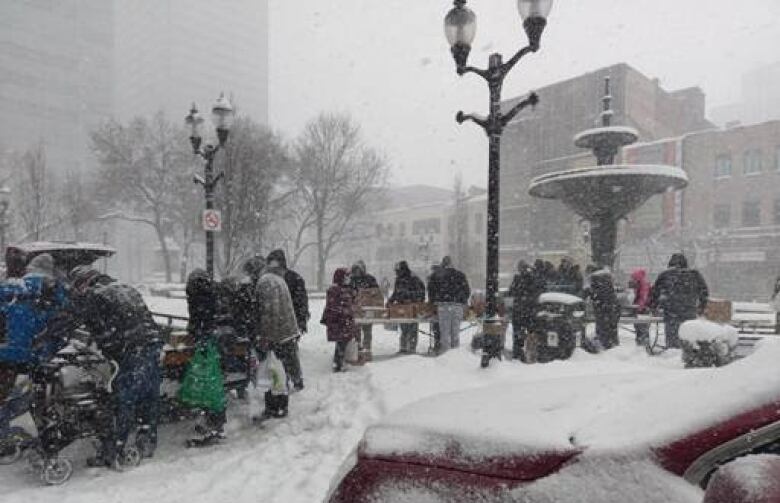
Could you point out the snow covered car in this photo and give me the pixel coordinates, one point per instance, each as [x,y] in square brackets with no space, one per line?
[750,479]
[636,436]
[66,255]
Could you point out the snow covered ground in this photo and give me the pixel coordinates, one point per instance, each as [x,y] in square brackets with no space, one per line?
[294,459]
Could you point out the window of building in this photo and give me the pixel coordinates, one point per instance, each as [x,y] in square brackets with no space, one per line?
[723,166]
[751,213]
[722,216]
[777,158]
[776,218]
[752,159]
[478,223]
[426,226]
[402,229]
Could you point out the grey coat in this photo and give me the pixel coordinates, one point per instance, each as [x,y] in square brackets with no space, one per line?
[277,314]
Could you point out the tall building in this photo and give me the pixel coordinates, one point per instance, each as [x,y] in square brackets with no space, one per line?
[56,76]
[760,99]
[173,52]
[542,141]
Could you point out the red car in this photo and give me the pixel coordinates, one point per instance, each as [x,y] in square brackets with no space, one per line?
[654,436]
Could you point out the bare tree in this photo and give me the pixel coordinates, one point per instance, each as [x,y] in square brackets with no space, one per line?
[253,162]
[335,175]
[145,166]
[78,205]
[33,193]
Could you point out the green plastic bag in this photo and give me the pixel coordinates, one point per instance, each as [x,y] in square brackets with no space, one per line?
[203,384]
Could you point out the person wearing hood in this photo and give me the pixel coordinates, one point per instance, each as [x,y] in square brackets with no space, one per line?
[682,293]
[525,291]
[28,304]
[641,287]
[569,277]
[339,315]
[408,289]
[450,291]
[121,326]
[367,294]
[278,325]
[296,285]
[606,309]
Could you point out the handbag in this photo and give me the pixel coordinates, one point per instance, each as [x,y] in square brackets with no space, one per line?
[203,383]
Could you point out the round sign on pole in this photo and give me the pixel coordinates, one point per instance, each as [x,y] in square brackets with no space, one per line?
[212,221]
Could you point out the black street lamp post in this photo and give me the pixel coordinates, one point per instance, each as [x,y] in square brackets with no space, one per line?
[222,117]
[460,29]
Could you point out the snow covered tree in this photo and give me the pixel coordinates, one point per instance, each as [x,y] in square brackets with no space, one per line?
[34,185]
[145,172]
[253,162]
[335,175]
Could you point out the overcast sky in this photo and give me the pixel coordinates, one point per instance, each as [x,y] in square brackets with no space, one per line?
[388,64]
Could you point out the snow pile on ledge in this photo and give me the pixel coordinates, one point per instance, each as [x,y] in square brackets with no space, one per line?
[701,330]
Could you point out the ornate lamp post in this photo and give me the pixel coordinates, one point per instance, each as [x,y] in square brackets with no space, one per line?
[460,26]
[222,116]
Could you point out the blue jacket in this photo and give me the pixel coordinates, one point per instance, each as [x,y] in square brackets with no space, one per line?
[28,305]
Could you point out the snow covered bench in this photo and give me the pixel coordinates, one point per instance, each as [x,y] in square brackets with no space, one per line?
[754,316]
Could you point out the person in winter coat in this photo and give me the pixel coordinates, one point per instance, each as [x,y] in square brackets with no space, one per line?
[605,308]
[339,315]
[682,293]
[451,292]
[28,305]
[408,289]
[296,285]
[279,321]
[641,287]
[123,329]
[525,292]
[364,283]
[569,278]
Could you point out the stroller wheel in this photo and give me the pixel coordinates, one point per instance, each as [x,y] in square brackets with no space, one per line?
[56,471]
[10,452]
[128,459]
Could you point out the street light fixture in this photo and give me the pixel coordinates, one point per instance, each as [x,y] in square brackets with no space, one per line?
[222,115]
[460,26]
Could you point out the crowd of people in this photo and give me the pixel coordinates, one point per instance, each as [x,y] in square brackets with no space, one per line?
[269,307]
[679,293]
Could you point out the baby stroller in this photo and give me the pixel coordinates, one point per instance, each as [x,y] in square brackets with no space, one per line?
[72,401]
[15,440]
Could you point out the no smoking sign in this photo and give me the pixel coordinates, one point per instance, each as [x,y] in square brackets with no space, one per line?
[212,220]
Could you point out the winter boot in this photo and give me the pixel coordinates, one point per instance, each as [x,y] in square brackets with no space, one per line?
[275,405]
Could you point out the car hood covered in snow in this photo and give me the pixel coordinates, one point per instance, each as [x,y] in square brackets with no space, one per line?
[524,431]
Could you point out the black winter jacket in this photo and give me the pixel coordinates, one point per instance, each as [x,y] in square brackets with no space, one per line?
[449,285]
[680,292]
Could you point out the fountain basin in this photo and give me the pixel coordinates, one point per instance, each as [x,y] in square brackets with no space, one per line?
[610,191]
[606,136]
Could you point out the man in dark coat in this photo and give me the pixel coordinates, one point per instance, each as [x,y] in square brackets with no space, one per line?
[433,298]
[569,278]
[297,287]
[682,293]
[451,292]
[525,291]
[122,327]
[363,284]
[408,289]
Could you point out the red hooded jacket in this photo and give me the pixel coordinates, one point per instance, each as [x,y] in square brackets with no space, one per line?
[339,314]
[641,287]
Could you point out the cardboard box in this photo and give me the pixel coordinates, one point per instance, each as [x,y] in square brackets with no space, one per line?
[370,297]
[718,310]
[401,311]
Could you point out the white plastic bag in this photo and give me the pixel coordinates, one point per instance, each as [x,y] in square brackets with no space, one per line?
[271,375]
[351,354]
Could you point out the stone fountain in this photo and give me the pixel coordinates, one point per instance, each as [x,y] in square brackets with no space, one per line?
[608,192]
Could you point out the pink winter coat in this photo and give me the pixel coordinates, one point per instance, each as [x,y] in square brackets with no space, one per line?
[641,286]
[339,314]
